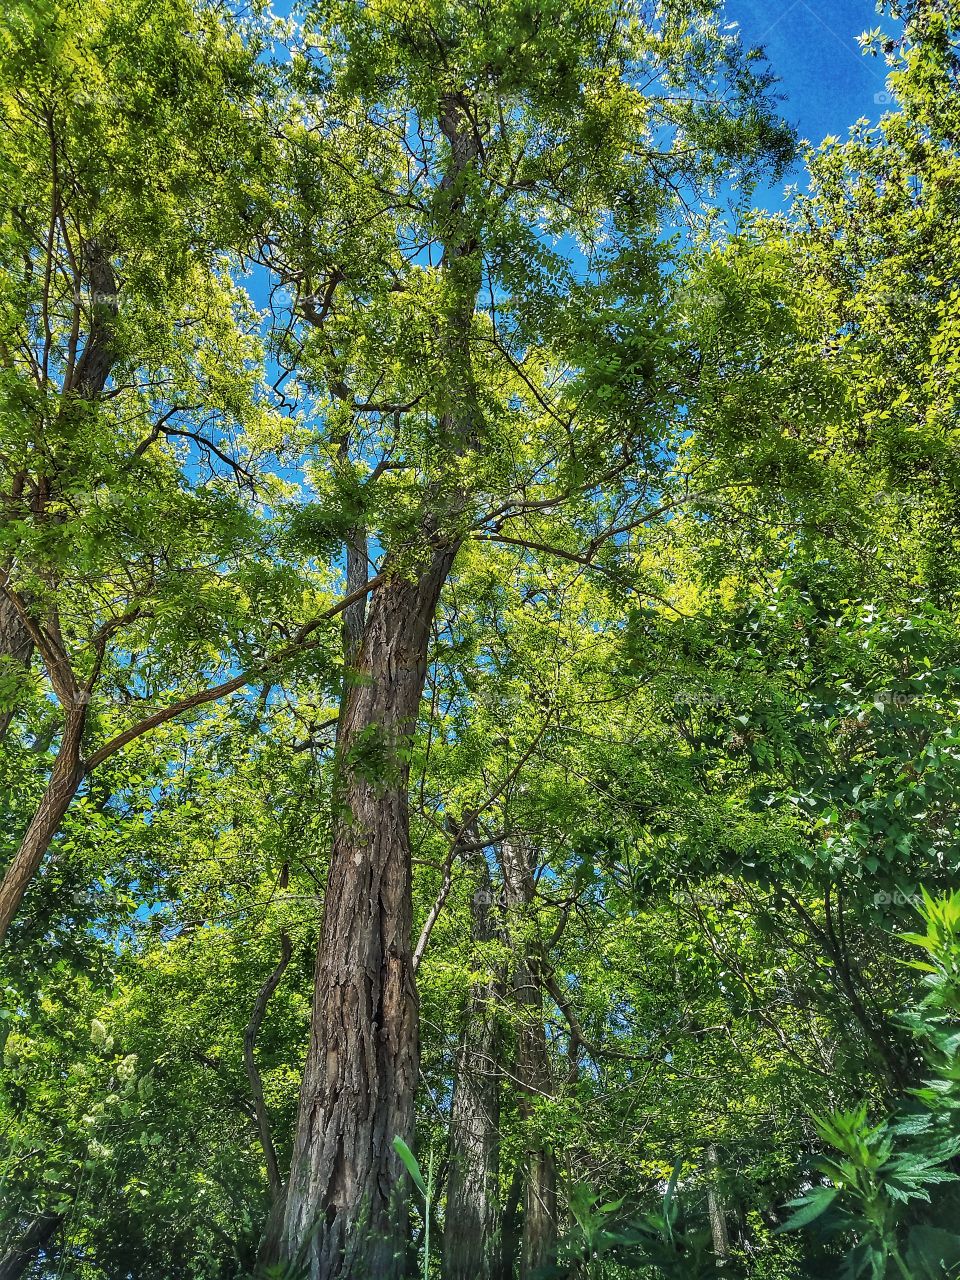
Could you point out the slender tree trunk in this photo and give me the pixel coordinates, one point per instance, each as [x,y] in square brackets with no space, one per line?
[538,1247]
[269,1251]
[346,1214]
[23,1253]
[539,1241]
[471,1244]
[86,382]
[274,1177]
[65,778]
[511,1230]
[718,1221]
[355,615]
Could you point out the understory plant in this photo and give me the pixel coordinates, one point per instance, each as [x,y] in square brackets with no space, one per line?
[889,1185]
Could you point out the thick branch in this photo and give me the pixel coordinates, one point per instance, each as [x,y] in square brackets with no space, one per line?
[20,1256]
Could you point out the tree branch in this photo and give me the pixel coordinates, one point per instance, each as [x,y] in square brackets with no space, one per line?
[253,1073]
[250,676]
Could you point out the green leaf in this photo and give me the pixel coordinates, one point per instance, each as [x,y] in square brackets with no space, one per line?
[669,1209]
[410,1161]
[810,1207]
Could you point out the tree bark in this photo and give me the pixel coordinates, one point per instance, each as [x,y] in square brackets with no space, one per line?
[471,1244]
[269,1251]
[346,1214]
[16,645]
[88,378]
[511,1230]
[274,1178]
[19,1256]
[346,1210]
[65,778]
[718,1221]
[538,1248]
[355,615]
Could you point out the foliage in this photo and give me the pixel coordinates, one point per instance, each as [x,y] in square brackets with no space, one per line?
[282,304]
[876,1171]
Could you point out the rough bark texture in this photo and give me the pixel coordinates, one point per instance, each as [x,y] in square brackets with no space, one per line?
[16,646]
[471,1244]
[24,1252]
[345,1213]
[538,1246]
[65,778]
[347,1192]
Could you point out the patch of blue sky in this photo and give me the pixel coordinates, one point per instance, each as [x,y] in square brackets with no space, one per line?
[826,82]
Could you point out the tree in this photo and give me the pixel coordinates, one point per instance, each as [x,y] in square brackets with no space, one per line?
[132,425]
[474,385]
[471,1240]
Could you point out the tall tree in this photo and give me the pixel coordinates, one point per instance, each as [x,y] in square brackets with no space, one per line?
[486,378]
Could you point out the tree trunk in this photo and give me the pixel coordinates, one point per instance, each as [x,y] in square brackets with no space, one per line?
[19,1256]
[16,646]
[511,1231]
[86,382]
[538,1247]
[271,1244]
[65,778]
[718,1221]
[354,615]
[471,1245]
[347,1193]
[346,1200]
[274,1177]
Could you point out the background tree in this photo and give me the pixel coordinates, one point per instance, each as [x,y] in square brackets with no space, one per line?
[130,376]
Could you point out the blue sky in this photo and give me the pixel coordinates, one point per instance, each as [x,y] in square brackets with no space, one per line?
[812,47]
